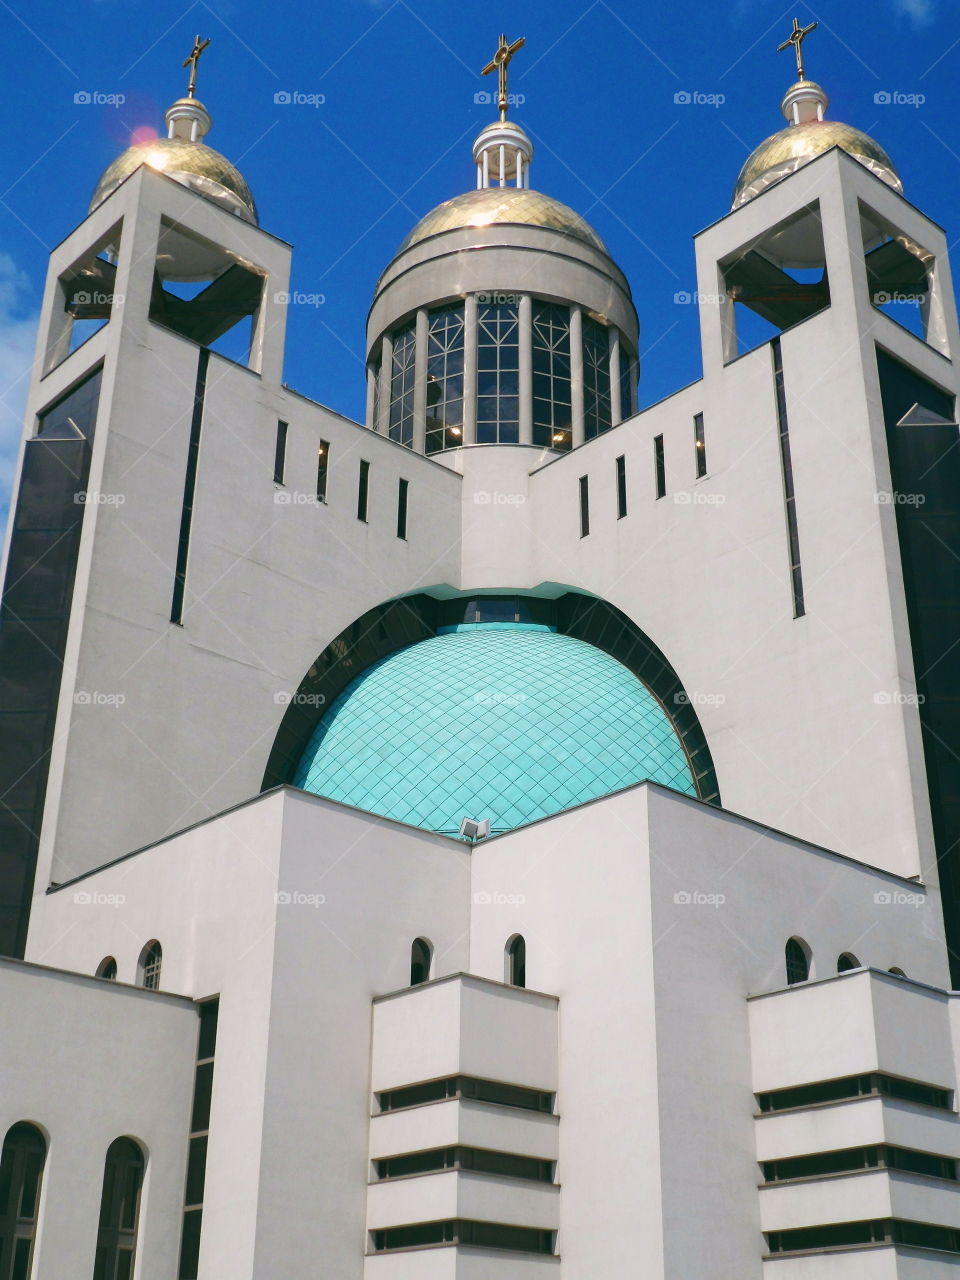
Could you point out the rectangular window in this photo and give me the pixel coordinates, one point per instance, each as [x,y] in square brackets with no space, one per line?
[401,384]
[402,508]
[280,456]
[504,1095]
[503,1164]
[584,506]
[323,459]
[498,373]
[444,397]
[552,404]
[824,1091]
[789,494]
[854,1158]
[596,378]
[363,490]
[209,1011]
[660,465]
[700,445]
[621,487]
[489,1235]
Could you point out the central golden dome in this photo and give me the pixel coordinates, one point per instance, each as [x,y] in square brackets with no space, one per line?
[503,206]
[193,164]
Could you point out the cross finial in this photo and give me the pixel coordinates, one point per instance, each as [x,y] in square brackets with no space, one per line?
[501,60]
[191,61]
[796,38]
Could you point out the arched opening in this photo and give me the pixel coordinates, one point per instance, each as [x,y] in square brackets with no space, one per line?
[148,969]
[516,961]
[421,957]
[119,1211]
[847,961]
[897,972]
[21,1172]
[106,969]
[797,955]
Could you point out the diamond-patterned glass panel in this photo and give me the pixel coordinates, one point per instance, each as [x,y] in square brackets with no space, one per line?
[509,722]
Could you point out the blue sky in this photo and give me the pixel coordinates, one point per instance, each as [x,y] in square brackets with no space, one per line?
[344,180]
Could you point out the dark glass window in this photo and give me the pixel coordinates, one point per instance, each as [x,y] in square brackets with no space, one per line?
[498,373]
[323,461]
[517,961]
[280,454]
[502,1163]
[920,1235]
[420,956]
[107,968]
[402,491]
[797,960]
[21,1172]
[402,383]
[660,466]
[627,381]
[809,1095]
[847,961]
[504,1095]
[490,1235]
[700,445]
[596,378]
[621,487]
[377,376]
[584,506]
[789,492]
[444,397]
[150,964]
[853,1158]
[363,490]
[119,1211]
[209,1011]
[552,406]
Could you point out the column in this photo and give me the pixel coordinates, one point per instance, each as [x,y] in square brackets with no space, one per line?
[420,384]
[386,377]
[470,369]
[371,393]
[525,316]
[617,413]
[576,375]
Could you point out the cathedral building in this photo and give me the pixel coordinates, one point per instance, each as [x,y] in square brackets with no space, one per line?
[515,837]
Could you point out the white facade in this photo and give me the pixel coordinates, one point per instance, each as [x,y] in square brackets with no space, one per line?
[654,1024]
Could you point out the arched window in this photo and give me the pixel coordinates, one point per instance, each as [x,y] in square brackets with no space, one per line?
[847,961]
[797,955]
[119,1211]
[107,968]
[21,1171]
[898,972]
[516,956]
[151,959]
[421,954]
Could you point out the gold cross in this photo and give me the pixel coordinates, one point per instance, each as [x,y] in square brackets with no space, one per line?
[191,62]
[501,60]
[796,38]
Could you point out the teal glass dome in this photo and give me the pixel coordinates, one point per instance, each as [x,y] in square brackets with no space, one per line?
[506,721]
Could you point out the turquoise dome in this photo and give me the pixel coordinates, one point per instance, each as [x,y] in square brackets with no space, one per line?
[506,721]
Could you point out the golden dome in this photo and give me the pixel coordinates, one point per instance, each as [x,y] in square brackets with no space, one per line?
[798,144]
[193,164]
[503,206]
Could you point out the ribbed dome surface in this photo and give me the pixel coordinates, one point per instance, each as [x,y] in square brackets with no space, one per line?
[510,722]
[503,205]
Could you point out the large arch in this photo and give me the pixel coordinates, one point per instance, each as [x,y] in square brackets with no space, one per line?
[399,623]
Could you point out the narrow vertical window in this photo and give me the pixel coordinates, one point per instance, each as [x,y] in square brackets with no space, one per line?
[197,1151]
[323,460]
[789,494]
[402,508]
[444,395]
[421,955]
[552,404]
[363,490]
[280,454]
[498,373]
[401,384]
[517,961]
[21,1172]
[151,960]
[119,1211]
[584,506]
[700,445]
[797,956]
[621,487]
[660,465]
[597,416]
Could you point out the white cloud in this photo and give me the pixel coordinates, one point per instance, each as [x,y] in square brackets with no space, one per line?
[18,331]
